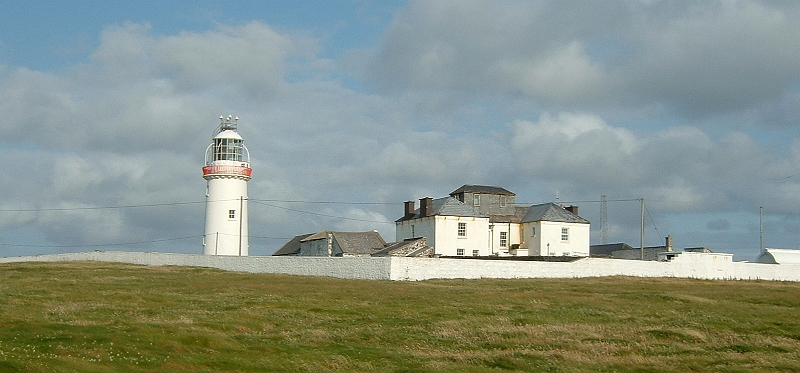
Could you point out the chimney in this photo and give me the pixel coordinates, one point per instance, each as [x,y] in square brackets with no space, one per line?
[409,209]
[669,243]
[425,206]
[572,209]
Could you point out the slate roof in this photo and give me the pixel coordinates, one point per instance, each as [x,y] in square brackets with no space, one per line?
[448,206]
[352,242]
[485,189]
[551,212]
[292,247]
[519,213]
[607,249]
[422,248]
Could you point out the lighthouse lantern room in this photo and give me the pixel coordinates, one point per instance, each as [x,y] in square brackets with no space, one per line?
[227,171]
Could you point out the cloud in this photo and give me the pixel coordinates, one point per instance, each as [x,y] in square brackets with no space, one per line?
[574,145]
[250,56]
[679,166]
[718,225]
[695,58]
[124,130]
[715,56]
[661,100]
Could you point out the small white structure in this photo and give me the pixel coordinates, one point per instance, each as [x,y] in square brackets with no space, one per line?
[227,171]
[549,229]
[779,256]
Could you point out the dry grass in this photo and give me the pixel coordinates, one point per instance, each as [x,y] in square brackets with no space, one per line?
[100,317]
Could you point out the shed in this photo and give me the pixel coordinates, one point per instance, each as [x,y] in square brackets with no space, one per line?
[779,256]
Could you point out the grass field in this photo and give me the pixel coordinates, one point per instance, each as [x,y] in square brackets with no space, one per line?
[101,317]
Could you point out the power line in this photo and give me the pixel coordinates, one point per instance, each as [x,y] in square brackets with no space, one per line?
[98,207]
[186,203]
[125,243]
[101,245]
[651,220]
[323,215]
[324,202]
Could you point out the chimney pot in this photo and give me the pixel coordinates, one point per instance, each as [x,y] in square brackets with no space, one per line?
[409,210]
[425,206]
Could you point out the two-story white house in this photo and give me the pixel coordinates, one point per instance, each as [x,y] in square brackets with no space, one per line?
[482,220]
[450,226]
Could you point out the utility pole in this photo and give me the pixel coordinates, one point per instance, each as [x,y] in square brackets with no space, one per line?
[603,220]
[642,233]
[761,227]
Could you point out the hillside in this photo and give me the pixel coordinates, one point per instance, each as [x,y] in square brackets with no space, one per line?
[101,317]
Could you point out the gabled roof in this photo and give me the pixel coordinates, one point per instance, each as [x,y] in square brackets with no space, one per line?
[352,242]
[485,189]
[292,247]
[607,249]
[551,212]
[410,247]
[448,206]
[779,256]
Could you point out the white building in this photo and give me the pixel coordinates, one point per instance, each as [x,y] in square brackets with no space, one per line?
[779,256]
[481,220]
[450,226]
[227,171]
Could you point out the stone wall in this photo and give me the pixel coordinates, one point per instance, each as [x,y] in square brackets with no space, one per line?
[686,265]
[341,267]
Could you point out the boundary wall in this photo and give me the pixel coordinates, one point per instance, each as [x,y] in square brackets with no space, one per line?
[686,265]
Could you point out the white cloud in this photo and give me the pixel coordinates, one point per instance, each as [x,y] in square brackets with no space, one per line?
[693,57]
[681,166]
[456,93]
[251,57]
[574,146]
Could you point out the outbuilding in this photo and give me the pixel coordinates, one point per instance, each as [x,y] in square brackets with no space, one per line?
[779,256]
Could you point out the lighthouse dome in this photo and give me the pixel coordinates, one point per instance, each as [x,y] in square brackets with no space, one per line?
[228,134]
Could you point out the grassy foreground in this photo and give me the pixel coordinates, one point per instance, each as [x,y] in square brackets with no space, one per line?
[101,317]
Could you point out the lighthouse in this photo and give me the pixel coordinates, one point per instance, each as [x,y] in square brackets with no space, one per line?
[227,171]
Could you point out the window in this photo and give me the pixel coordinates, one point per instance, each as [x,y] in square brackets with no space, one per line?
[503,239]
[231,214]
[412,231]
[564,234]
[476,252]
[459,252]
[533,231]
[462,229]
[502,201]
[227,149]
[476,200]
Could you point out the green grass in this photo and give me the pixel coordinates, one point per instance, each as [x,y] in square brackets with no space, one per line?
[101,317]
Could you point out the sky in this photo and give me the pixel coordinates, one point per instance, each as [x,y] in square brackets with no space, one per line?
[350,108]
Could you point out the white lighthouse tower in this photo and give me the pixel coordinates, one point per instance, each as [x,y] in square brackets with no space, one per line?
[227,171]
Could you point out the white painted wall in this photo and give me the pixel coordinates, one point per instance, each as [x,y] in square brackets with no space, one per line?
[547,241]
[512,231]
[447,241]
[225,236]
[423,227]
[686,265]
[441,233]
